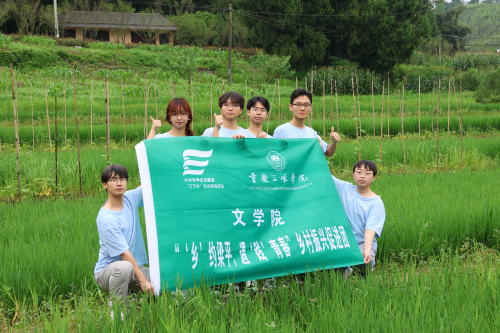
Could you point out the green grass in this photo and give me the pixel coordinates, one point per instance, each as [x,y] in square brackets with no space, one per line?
[433,271]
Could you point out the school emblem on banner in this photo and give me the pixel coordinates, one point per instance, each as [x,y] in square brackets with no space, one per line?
[228,210]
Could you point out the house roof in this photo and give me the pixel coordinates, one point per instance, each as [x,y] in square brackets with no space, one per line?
[110,20]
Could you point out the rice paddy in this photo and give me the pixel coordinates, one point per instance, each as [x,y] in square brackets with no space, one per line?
[437,264]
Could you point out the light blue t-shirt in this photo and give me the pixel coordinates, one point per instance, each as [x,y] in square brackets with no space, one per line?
[227,133]
[288,131]
[121,231]
[363,213]
[163,135]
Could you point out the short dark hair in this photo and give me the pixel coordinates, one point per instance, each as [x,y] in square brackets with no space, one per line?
[235,98]
[116,169]
[252,101]
[300,92]
[370,165]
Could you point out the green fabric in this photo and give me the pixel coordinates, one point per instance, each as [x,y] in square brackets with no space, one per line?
[195,219]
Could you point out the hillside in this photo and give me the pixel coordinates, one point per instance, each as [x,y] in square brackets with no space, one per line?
[484,22]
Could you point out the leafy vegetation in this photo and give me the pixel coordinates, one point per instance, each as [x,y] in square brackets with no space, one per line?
[489,90]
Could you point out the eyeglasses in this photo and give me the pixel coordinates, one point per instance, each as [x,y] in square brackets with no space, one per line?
[226,105]
[300,105]
[115,181]
[258,110]
[182,114]
[366,173]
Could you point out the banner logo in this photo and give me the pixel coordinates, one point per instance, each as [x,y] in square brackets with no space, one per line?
[276,160]
[188,162]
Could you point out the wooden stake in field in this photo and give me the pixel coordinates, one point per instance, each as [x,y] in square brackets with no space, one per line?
[146,93]
[373,104]
[246,99]
[437,126]
[359,105]
[449,102]
[402,105]
[331,101]
[77,135]
[324,109]
[305,79]
[382,122]
[32,118]
[337,104]
[388,105]
[123,101]
[16,129]
[223,89]
[107,116]
[47,107]
[279,101]
[55,133]
[270,109]
[211,104]
[355,115]
[65,109]
[432,110]
[156,104]
[419,107]
[91,106]
[312,93]
[461,122]
[192,103]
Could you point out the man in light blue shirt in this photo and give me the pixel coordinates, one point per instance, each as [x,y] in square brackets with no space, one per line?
[122,255]
[301,106]
[258,111]
[364,209]
[226,124]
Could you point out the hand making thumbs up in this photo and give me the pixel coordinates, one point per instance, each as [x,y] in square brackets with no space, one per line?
[219,120]
[334,136]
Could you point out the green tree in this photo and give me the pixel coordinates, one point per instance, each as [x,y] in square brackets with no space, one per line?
[448,25]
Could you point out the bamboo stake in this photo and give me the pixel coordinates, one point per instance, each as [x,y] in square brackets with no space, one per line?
[223,89]
[279,101]
[106,103]
[312,93]
[246,99]
[359,104]
[211,104]
[331,101]
[146,93]
[55,133]
[123,103]
[402,126]
[192,103]
[77,135]
[437,126]
[388,105]
[373,104]
[461,123]
[449,102]
[382,123]
[337,104]
[16,129]
[271,107]
[156,104]
[47,107]
[324,109]
[65,109]
[419,107]
[32,120]
[312,82]
[432,110]
[355,115]
[91,105]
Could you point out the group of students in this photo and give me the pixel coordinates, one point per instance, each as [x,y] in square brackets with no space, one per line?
[122,255]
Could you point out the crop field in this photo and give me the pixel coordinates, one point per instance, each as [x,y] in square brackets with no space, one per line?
[437,263]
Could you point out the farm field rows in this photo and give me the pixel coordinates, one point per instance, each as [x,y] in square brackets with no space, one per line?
[438,244]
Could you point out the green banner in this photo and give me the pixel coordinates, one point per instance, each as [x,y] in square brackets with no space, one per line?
[224,210]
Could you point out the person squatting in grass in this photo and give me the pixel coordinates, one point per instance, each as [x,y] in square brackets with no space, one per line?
[178,115]
[301,106]
[226,124]
[365,211]
[122,255]
[258,111]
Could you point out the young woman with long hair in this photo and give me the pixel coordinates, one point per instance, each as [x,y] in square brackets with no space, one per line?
[178,115]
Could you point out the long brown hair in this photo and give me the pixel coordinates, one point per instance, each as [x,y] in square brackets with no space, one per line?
[176,105]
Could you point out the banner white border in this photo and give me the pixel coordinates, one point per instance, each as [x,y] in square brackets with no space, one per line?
[149,213]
